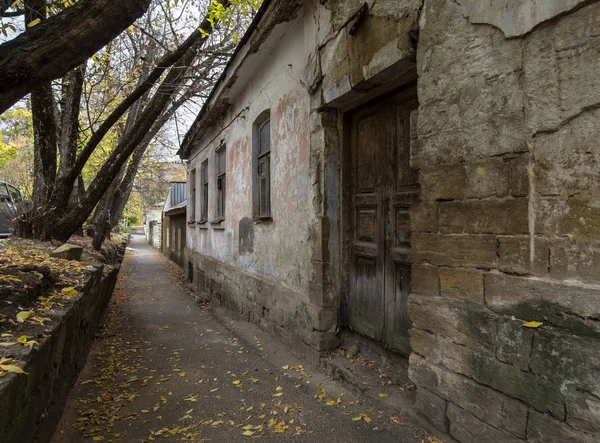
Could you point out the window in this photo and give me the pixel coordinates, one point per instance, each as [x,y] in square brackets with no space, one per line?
[15,194]
[261,166]
[204,182]
[221,182]
[193,195]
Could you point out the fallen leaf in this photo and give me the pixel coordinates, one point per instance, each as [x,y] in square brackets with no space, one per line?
[24,315]
[532,324]
[383,395]
[278,395]
[248,433]
[359,418]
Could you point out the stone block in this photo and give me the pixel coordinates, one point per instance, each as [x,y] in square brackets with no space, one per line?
[566,161]
[462,284]
[560,67]
[514,255]
[466,323]
[576,261]
[514,343]
[543,428]
[519,176]
[433,408]
[423,217]
[68,252]
[485,369]
[583,412]
[525,297]
[492,216]
[427,344]
[422,373]
[454,250]
[465,427]
[488,405]
[425,280]
[488,178]
[578,217]
[566,359]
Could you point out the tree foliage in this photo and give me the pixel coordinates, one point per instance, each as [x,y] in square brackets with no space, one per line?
[93,127]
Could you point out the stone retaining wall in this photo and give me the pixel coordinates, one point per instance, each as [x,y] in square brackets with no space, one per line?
[31,405]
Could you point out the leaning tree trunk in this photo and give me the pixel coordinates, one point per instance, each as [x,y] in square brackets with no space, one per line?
[50,49]
[101,220]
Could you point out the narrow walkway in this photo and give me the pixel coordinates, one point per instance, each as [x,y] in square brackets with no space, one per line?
[164,367]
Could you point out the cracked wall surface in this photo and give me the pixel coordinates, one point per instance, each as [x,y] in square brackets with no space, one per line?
[508,228]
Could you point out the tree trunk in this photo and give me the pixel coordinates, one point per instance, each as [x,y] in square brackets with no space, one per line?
[45,140]
[50,49]
[100,225]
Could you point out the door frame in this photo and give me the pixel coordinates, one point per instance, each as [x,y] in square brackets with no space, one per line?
[346,198]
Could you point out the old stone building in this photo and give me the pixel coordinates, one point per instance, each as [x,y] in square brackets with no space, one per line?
[427,174]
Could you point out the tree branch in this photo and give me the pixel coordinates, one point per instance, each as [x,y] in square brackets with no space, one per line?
[51,48]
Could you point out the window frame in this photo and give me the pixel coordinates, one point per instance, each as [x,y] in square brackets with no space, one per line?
[204,196]
[261,161]
[192,217]
[220,183]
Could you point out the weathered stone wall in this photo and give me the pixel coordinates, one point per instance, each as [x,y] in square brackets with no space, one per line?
[31,404]
[262,300]
[508,228]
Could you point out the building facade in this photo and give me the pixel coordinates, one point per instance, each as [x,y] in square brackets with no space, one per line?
[426,173]
[174,223]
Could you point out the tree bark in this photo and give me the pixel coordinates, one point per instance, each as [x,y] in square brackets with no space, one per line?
[45,139]
[70,107]
[50,49]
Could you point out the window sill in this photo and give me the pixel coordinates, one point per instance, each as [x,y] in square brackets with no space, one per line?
[191,224]
[202,224]
[217,224]
[262,220]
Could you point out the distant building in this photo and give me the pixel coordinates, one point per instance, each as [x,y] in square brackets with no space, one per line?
[153,224]
[174,223]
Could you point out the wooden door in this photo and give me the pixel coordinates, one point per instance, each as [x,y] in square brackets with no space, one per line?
[383,186]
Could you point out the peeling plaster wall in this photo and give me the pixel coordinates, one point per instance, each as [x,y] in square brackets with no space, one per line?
[508,229]
[279,255]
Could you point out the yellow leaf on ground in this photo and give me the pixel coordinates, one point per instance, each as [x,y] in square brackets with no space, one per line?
[32,23]
[279,388]
[359,418]
[278,395]
[24,315]
[532,324]
[383,395]
[7,344]
[248,433]
[98,438]
[23,339]
[12,368]
[286,367]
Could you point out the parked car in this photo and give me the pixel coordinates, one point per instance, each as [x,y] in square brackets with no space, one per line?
[10,199]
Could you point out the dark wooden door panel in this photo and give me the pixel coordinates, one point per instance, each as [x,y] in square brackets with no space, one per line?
[383,186]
